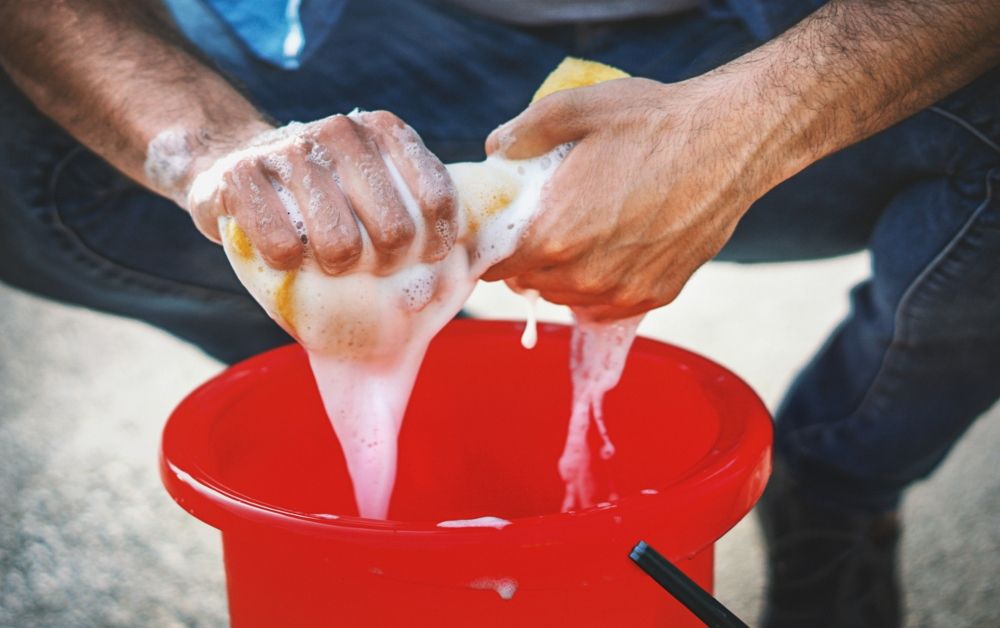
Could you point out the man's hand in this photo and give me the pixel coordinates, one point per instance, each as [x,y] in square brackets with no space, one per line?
[661,174]
[121,78]
[652,190]
[314,188]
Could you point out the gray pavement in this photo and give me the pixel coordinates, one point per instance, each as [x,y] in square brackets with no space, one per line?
[89,538]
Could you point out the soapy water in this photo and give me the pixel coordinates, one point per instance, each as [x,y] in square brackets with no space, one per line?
[597,358]
[479,522]
[366,333]
[530,336]
[504,587]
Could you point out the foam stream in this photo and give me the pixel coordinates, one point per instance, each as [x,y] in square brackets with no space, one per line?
[530,336]
[597,358]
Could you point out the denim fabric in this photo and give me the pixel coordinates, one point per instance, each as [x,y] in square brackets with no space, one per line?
[765,19]
[914,363]
[282,32]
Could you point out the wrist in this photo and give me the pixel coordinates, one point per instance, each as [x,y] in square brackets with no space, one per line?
[772,132]
[176,155]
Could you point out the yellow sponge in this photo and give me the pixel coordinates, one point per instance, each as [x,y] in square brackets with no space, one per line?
[574,72]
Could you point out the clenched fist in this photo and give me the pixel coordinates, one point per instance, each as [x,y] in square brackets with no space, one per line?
[350,191]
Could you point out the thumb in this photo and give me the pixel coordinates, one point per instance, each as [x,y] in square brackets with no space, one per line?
[556,119]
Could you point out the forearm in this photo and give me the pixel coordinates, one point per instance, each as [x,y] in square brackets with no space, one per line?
[853,68]
[116,76]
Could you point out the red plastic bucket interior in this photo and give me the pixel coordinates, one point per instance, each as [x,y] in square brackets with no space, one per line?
[252,452]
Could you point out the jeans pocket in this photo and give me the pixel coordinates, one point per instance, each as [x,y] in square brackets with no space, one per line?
[131,236]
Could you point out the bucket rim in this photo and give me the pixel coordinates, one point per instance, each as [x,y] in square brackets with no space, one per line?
[735,467]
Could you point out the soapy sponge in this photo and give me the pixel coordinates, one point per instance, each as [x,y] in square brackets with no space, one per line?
[484,192]
[573,72]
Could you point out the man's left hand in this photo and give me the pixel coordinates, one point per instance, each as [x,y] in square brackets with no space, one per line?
[654,186]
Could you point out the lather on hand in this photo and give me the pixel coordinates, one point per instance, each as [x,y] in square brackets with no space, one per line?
[333,169]
[138,96]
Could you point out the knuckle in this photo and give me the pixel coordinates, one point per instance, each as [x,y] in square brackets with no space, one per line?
[282,246]
[593,283]
[560,105]
[623,297]
[382,119]
[397,233]
[439,207]
[636,299]
[241,173]
[556,250]
[441,240]
[338,248]
[339,128]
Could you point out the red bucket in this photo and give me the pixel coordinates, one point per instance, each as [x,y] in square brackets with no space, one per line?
[251,453]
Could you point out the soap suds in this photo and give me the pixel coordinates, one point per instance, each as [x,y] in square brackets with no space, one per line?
[597,357]
[480,522]
[530,336]
[168,159]
[504,587]
[366,332]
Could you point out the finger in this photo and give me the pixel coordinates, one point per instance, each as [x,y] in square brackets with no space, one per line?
[332,231]
[368,187]
[565,284]
[556,119]
[517,264]
[424,175]
[573,299]
[250,198]
[206,213]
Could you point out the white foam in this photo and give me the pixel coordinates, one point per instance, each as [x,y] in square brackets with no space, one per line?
[280,166]
[168,160]
[291,208]
[479,522]
[597,358]
[366,333]
[530,336]
[504,587]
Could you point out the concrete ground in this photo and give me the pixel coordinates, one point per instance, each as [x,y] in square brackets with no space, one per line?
[89,538]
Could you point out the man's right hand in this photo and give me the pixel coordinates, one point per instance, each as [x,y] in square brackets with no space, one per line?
[337,172]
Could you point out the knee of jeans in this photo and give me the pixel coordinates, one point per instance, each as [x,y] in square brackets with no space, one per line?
[956,298]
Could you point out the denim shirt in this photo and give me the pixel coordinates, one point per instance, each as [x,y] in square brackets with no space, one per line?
[282,32]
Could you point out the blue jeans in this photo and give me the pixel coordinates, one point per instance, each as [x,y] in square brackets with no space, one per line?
[914,363]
